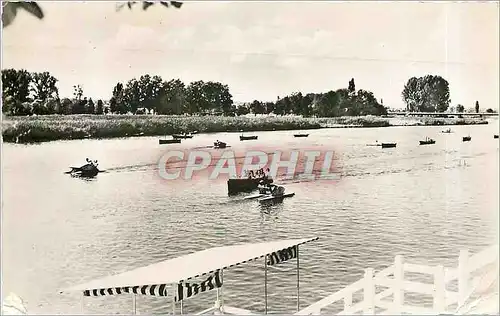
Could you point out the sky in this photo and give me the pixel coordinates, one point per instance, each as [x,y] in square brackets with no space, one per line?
[263,50]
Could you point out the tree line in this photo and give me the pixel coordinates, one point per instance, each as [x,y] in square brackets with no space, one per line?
[27,93]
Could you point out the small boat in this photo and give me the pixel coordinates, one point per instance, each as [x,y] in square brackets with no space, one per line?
[88,170]
[427,141]
[182,136]
[300,135]
[389,145]
[466,139]
[448,131]
[495,136]
[219,145]
[242,138]
[169,141]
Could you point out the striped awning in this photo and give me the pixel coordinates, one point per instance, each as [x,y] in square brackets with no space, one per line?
[157,278]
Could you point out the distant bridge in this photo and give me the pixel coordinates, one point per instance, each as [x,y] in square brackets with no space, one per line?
[442,114]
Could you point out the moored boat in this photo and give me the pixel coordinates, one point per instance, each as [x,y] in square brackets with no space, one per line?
[300,135]
[389,145]
[219,145]
[173,280]
[448,131]
[427,141]
[242,138]
[182,136]
[495,136]
[169,141]
[466,138]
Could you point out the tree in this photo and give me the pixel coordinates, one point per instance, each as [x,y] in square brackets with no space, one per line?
[256,107]
[65,106]
[352,87]
[460,108]
[172,98]
[16,83]
[426,94]
[91,107]
[100,107]
[490,111]
[242,109]
[477,106]
[43,86]
[116,103]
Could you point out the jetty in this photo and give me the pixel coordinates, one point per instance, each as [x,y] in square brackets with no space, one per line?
[469,288]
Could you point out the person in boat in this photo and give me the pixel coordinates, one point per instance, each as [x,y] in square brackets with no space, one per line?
[276,190]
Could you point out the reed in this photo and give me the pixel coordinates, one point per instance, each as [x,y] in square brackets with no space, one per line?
[59,127]
[27,129]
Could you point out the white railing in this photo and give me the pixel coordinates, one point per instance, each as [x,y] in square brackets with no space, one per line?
[393,279]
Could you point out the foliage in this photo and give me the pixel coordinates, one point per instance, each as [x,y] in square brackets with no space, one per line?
[477,107]
[10,8]
[151,94]
[460,108]
[426,94]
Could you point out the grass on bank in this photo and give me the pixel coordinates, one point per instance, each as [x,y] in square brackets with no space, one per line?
[25,129]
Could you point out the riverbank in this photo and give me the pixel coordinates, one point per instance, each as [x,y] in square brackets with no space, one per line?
[32,129]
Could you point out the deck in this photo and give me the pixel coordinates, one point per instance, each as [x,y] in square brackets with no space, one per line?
[475,280]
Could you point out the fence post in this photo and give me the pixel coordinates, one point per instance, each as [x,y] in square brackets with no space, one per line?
[369,293]
[399,279]
[463,276]
[439,290]
[348,302]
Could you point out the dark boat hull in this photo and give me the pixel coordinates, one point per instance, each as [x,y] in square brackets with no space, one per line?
[84,172]
[169,141]
[495,136]
[220,145]
[248,138]
[388,145]
[301,135]
[182,136]
[423,142]
[235,186]
[466,139]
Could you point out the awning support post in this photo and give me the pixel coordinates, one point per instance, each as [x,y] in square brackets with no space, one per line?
[222,291]
[134,304]
[83,304]
[265,285]
[173,304]
[182,306]
[298,280]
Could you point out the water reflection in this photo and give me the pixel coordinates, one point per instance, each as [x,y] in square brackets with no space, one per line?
[418,202]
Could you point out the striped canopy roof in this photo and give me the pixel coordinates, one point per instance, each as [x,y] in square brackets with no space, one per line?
[193,265]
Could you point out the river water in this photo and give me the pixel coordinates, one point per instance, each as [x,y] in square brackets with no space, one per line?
[424,202]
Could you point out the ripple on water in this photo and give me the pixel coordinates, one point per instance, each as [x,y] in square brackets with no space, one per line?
[415,201]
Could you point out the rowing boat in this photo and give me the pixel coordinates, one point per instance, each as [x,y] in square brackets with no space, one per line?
[179,279]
